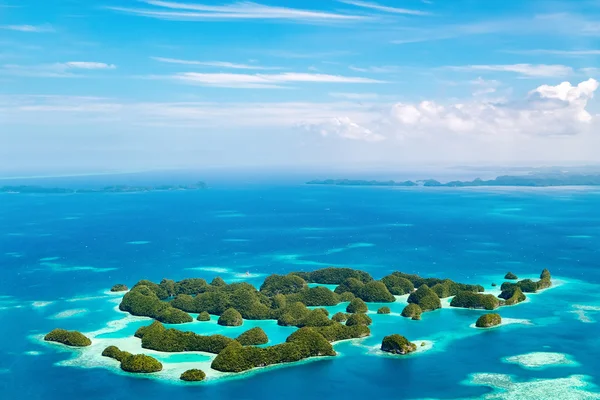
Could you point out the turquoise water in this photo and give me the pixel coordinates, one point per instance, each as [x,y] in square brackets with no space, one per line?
[60,253]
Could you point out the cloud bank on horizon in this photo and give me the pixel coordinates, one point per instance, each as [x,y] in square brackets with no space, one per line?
[311,83]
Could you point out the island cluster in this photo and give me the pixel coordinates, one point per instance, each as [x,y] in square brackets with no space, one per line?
[286,299]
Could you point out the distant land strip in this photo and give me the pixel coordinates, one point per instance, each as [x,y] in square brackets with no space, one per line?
[108,189]
[524,180]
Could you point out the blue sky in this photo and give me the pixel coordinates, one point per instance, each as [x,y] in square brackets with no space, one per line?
[91,85]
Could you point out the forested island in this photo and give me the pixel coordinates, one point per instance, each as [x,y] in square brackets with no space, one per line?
[286,299]
[107,189]
[531,180]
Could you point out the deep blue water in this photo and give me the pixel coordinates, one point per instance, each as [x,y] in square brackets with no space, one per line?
[69,249]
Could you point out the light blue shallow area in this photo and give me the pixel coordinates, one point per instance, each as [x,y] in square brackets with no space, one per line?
[52,263]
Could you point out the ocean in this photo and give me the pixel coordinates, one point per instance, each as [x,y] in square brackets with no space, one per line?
[60,254]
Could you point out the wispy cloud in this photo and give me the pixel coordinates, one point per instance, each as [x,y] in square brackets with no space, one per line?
[354,96]
[219,64]
[235,11]
[567,53]
[56,70]
[263,81]
[529,70]
[89,65]
[28,28]
[386,69]
[379,7]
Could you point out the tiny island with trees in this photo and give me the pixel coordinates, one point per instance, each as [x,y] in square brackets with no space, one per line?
[291,302]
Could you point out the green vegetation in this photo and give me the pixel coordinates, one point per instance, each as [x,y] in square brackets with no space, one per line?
[253,337]
[527,285]
[244,297]
[513,296]
[359,319]
[193,375]
[453,287]
[314,318]
[425,298]
[511,276]
[347,296]
[141,364]
[340,317]
[398,285]
[357,306]
[397,344]
[334,276]
[136,363]
[218,282]
[412,311]
[230,317]
[156,337]
[488,320]
[304,343]
[384,310]
[282,284]
[337,331]
[142,300]
[475,300]
[69,338]
[317,296]
[545,274]
[115,353]
[375,292]
[372,291]
[203,316]
[119,287]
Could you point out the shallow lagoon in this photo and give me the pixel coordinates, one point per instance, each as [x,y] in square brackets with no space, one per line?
[473,236]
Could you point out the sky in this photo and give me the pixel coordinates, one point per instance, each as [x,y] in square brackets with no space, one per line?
[149,84]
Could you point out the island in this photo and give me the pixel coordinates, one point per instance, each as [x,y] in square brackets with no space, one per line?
[193,375]
[69,338]
[28,189]
[290,302]
[533,179]
[135,363]
[397,344]
[412,311]
[511,276]
[119,287]
[488,321]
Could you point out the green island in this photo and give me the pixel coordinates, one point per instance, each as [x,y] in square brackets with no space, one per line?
[397,344]
[488,321]
[528,180]
[289,301]
[119,287]
[28,189]
[135,363]
[193,375]
[69,338]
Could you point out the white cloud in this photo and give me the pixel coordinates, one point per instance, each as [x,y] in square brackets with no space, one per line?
[28,28]
[528,70]
[379,7]
[89,65]
[245,81]
[219,64]
[343,127]
[235,11]
[56,70]
[549,110]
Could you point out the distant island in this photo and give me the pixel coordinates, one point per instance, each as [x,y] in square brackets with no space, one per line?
[531,180]
[107,189]
[285,299]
